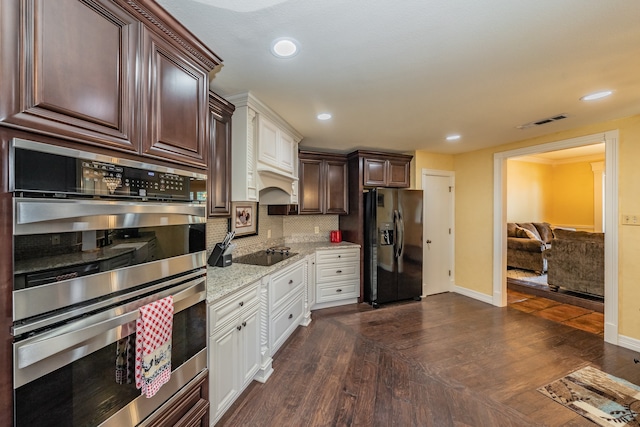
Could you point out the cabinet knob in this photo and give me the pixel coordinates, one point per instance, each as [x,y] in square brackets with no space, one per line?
[339,256]
[338,271]
[338,290]
[291,316]
[290,281]
[241,303]
[244,324]
[239,327]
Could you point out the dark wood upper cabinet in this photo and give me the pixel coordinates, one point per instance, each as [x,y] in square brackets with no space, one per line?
[386,170]
[175,103]
[118,74]
[78,60]
[323,183]
[219,180]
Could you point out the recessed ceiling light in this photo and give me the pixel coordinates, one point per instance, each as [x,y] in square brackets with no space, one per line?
[596,95]
[284,47]
[324,116]
[453,137]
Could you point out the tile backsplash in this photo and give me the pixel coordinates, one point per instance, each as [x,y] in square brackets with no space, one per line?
[284,229]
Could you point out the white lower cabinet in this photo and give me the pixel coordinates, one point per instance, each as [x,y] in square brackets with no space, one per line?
[337,277]
[234,348]
[286,303]
[249,326]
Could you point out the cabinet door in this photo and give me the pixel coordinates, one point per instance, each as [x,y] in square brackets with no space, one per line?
[250,345]
[336,190]
[223,363]
[77,72]
[219,182]
[189,408]
[175,104]
[311,186]
[267,142]
[398,174]
[375,172]
[287,149]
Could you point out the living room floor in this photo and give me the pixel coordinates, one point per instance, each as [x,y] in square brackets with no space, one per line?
[567,314]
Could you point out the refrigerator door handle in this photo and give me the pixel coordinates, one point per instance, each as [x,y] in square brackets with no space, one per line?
[401,235]
[398,230]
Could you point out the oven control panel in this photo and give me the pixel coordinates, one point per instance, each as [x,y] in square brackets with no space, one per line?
[61,175]
[110,179]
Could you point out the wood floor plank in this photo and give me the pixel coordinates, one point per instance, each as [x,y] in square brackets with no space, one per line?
[445,361]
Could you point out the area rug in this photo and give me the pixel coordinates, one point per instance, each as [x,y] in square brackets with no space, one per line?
[598,396]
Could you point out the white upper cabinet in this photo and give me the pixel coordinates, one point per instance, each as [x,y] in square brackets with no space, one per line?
[264,154]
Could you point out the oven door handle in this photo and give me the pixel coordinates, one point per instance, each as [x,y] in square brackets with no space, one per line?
[63,339]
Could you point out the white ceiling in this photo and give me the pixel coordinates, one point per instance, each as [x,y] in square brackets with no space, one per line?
[403,75]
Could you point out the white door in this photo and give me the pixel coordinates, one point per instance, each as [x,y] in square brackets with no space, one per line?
[437,265]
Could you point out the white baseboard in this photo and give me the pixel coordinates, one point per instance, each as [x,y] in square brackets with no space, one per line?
[628,342]
[473,294]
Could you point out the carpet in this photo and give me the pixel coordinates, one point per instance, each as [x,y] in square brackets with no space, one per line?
[598,396]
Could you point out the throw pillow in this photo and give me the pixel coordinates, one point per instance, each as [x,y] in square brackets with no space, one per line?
[544,231]
[524,233]
[511,229]
[529,226]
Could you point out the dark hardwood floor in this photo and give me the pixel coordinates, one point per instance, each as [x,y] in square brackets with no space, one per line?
[445,361]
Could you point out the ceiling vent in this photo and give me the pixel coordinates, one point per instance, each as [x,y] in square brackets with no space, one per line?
[543,121]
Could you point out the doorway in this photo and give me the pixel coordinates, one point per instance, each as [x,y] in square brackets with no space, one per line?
[438,198]
[610,139]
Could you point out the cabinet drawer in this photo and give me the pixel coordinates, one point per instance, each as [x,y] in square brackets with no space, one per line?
[224,310]
[337,255]
[339,291]
[286,321]
[337,272]
[283,285]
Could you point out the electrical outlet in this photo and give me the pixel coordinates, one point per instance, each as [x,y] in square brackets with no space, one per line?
[55,239]
[316,229]
[268,234]
[628,219]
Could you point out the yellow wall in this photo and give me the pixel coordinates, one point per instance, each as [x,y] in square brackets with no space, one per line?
[572,198]
[529,191]
[424,160]
[474,215]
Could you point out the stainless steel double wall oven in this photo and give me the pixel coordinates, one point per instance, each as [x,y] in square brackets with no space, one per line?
[95,238]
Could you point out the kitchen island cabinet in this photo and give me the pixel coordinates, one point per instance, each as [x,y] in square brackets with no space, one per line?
[121,75]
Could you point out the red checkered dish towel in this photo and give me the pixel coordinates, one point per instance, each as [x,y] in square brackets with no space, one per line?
[153,345]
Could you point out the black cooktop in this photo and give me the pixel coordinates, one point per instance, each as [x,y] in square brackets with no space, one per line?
[263,258]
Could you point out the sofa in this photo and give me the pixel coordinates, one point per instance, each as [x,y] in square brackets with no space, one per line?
[576,262]
[527,245]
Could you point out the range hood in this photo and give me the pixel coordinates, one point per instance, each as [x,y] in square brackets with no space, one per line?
[264,154]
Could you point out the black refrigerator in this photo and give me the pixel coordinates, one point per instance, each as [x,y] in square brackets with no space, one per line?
[392,245]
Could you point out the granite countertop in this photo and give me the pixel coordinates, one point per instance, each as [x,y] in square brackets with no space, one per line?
[222,281]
